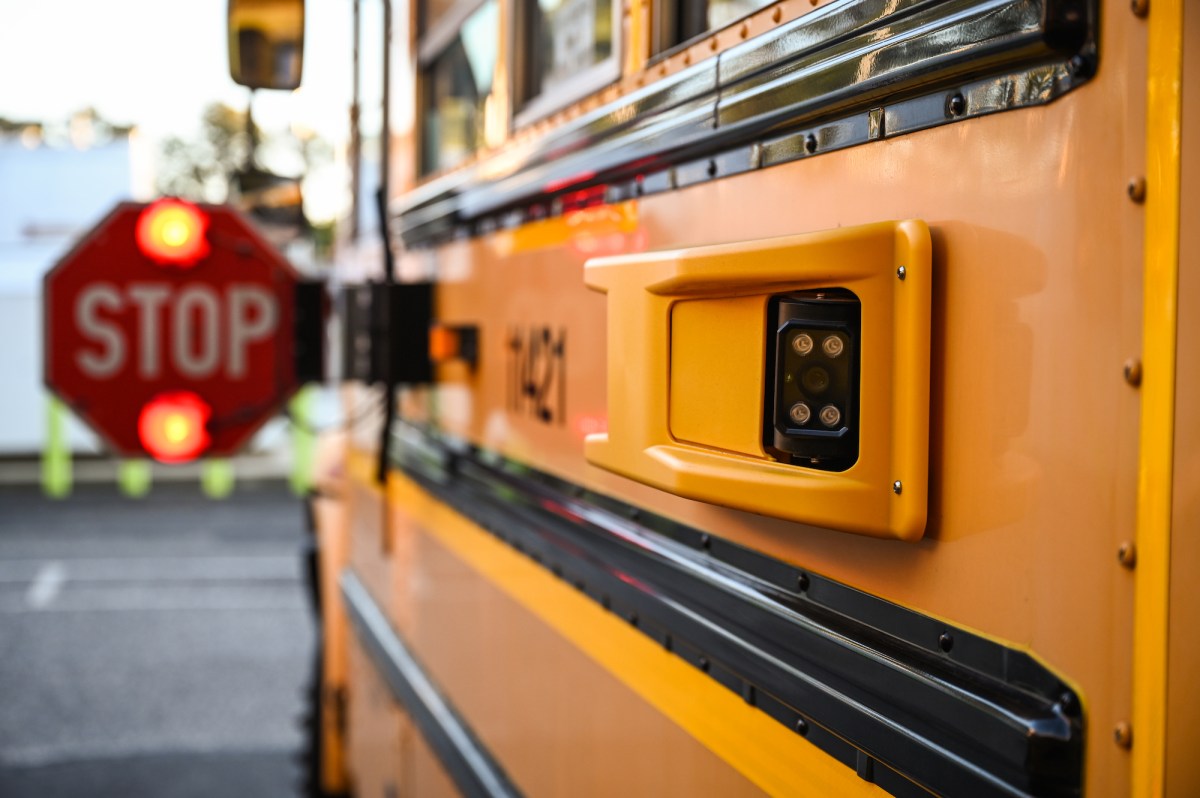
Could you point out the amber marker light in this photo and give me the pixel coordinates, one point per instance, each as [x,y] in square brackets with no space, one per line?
[172,232]
[444,344]
[172,427]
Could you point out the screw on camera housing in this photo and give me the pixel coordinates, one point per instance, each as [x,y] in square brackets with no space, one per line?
[811,402]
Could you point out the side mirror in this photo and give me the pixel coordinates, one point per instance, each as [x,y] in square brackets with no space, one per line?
[266,43]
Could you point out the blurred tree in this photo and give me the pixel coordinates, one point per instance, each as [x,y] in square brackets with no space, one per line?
[202,169]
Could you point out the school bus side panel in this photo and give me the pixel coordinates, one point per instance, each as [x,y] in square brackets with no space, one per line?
[1183,696]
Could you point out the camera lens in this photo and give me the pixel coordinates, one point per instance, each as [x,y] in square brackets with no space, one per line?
[815,380]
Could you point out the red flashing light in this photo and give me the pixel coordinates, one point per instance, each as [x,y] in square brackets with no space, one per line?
[172,232]
[172,427]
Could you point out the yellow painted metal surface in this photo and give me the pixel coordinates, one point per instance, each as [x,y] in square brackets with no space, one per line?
[659,380]
[1037,445]
[568,696]
[1155,462]
[1036,304]
[1182,766]
[332,536]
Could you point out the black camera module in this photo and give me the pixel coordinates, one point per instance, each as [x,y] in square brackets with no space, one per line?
[810,410]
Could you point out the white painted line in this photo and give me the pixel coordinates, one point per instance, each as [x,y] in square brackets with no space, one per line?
[46,585]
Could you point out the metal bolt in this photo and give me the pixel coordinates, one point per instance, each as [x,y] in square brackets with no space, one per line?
[897,487]
[946,642]
[712,168]
[902,272]
[1080,67]
[801,726]
[1140,8]
[706,541]
[1136,189]
[1127,554]
[1123,734]
[810,143]
[704,664]
[802,582]
[956,105]
[778,15]
[1133,372]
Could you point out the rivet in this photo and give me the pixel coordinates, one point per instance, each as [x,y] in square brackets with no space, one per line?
[1133,372]
[662,70]
[1123,734]
[801,726]
[633,618]
[1140,8]
[1127,554]
[946,642]
[802,582]
[778,15]
[712,168]
[1136,189]
[901,272]
[956,105]
[712,44]
[897,487]
[744,32]
[687,59]
[704,664]
[706,541]
[810,143]
[1067,702]
[1080,66]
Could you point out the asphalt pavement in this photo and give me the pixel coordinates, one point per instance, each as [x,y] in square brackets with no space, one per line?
[152,647]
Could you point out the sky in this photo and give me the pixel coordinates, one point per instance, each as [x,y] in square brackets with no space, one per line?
[157,63]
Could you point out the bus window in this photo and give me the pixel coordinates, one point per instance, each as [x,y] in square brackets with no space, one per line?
[679,21]
[569,49]
[456,85]
[431,12]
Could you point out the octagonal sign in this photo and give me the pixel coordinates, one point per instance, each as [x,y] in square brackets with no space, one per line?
[169,329]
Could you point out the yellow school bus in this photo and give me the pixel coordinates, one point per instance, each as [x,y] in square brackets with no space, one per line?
[793,397]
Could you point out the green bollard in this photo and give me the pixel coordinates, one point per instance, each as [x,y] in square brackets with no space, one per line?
[134,477]
[56,456]
[304,442]
[217,478]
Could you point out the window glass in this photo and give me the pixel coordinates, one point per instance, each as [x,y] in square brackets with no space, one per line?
[566,38]
[370,113]
[681,20]
[457,84]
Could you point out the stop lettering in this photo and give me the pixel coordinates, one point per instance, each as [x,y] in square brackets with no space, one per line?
[198,329]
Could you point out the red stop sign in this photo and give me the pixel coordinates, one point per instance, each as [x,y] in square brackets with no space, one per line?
[170,299]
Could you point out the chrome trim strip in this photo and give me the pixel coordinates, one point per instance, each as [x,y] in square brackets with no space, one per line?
[853,57]
[871,681]
[473,769]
